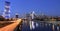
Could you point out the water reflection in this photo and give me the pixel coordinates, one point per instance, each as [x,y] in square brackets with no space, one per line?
[57,28]
[53,28]
[39,26]
[32,26]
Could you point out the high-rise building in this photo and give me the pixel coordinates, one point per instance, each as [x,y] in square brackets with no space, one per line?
[6,12]
[17,16]
[32,15]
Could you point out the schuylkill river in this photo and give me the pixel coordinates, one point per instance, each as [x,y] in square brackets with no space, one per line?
[39,26]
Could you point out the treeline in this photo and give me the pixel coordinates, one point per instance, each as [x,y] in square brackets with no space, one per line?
[3,19]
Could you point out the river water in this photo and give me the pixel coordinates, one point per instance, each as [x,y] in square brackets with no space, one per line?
[39,26]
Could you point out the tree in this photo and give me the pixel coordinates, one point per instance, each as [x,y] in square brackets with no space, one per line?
[2,18]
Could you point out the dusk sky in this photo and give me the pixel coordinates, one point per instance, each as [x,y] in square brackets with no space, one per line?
[48,7]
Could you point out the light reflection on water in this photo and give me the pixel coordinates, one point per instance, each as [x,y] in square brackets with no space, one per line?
[37,25]
[40,26]
[32,26]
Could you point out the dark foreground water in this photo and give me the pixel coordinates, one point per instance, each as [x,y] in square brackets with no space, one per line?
[39,26]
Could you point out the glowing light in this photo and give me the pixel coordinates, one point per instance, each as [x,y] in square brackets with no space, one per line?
[36,24]
[32,25]
[57,28]
[53,28]
[46,24]
[49,24]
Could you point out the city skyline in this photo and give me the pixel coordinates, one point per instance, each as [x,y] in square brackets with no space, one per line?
[48,7]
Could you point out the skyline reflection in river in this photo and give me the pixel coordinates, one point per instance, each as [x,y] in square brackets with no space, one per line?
[39,26]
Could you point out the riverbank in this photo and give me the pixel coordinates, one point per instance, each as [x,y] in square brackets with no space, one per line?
[11,27]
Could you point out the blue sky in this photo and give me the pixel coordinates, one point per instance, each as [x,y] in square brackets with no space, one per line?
[48,7]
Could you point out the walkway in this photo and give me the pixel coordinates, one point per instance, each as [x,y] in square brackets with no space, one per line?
[11,27]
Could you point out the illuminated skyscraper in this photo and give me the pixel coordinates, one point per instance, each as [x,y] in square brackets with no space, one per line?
[6,12]
[32,15]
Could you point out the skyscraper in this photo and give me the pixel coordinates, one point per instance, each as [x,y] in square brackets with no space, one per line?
[6,12]
[32,15]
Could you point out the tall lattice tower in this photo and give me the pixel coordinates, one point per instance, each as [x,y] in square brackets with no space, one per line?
[6,12]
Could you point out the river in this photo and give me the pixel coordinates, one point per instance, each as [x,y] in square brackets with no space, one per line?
[39,26]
